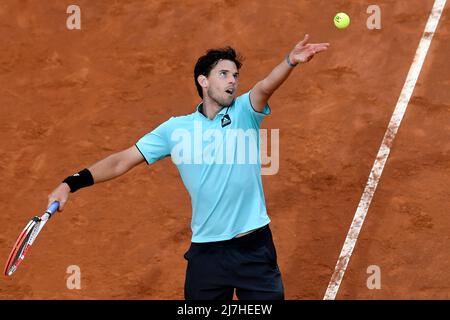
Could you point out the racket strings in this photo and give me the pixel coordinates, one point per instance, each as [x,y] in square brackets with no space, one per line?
[26,239]
[23,244]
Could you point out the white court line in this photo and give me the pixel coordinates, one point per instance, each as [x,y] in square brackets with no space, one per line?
[383,153]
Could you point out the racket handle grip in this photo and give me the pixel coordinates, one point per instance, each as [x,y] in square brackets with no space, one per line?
[52,209]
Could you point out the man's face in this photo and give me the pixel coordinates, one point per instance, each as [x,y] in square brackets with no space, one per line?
[222,83]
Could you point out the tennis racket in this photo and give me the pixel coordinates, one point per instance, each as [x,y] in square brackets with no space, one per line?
[27,237]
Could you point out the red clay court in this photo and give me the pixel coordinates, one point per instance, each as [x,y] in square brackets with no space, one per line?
[69,98]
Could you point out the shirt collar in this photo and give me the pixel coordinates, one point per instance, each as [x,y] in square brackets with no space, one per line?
[221,112]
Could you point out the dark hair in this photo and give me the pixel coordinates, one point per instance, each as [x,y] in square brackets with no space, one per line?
[208,61]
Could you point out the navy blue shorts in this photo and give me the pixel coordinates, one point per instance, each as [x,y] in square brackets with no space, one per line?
[247,264]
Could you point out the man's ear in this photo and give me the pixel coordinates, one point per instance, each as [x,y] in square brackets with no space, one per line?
[203,81]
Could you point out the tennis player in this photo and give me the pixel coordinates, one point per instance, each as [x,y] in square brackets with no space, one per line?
[232,246]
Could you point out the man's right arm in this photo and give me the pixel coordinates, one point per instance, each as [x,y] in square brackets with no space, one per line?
[108,168]
[116,164]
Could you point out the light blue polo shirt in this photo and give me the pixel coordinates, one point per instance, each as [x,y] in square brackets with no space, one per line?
[220,167]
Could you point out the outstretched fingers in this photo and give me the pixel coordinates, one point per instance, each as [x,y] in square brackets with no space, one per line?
[320,47]
[304,41]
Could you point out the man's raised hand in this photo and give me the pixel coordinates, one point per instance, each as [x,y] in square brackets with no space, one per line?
[304,51]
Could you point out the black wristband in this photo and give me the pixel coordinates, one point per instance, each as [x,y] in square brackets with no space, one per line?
[288,61]
[79,180]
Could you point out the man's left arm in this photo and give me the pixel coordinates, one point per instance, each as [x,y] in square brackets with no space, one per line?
[302,53]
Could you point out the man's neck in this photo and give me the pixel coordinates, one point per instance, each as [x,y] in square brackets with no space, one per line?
[210,108]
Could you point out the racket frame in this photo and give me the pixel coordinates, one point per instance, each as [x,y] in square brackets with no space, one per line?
[26,239]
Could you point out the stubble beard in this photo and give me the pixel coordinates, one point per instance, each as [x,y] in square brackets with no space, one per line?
[223,102]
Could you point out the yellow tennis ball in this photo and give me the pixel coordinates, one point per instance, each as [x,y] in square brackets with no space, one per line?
[341,20]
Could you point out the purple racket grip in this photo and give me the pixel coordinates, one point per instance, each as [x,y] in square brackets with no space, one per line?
[52,209]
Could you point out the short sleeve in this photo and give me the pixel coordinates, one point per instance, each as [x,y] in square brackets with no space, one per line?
[255,116]
[155,144]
